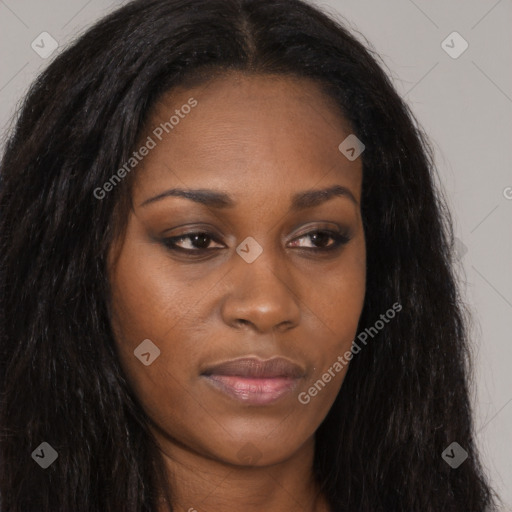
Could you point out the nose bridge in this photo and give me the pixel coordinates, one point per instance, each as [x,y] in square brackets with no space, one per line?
[262,292]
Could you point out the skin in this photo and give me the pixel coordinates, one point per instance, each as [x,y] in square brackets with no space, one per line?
[259,139]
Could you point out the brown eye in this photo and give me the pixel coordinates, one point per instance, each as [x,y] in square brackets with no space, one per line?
[320,240]
[190,242]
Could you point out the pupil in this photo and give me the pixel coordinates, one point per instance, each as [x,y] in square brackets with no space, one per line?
[201,240]
[320,238]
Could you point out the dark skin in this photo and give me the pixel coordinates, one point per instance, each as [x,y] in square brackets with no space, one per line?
[260,140]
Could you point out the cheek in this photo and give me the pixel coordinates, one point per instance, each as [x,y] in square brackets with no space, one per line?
[142,306]
[337,293]
[144,299]
[336,301]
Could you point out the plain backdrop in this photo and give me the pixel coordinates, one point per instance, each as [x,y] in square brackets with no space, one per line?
[463,100]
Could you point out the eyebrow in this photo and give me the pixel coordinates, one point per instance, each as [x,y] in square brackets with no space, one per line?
[215,199]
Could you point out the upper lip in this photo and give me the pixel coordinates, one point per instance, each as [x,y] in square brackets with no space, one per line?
[256,368]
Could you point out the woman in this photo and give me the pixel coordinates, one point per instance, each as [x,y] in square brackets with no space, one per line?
[226,277]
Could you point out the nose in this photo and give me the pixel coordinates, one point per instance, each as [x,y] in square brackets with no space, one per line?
[261,295]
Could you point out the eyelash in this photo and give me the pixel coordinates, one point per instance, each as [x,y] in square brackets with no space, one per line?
[339,238]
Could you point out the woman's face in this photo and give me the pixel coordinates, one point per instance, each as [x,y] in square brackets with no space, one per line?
[256,266]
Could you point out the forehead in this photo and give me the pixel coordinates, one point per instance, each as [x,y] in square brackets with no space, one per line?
[246,132]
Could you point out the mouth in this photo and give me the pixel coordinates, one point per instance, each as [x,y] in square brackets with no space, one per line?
[254,381]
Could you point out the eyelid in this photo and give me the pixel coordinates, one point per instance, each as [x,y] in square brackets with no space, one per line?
[321,226]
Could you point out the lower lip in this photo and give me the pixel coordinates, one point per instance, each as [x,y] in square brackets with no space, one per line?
[253,391]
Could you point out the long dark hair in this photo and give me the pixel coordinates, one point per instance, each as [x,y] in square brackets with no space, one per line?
[405,397]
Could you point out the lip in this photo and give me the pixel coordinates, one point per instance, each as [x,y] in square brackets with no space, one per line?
[254,381]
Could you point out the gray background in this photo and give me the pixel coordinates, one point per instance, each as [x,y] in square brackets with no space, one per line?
[465,106]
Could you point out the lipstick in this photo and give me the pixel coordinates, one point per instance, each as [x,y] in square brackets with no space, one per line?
[254,381]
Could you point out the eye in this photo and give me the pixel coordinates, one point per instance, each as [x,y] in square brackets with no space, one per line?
[191,242]
[321,239]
